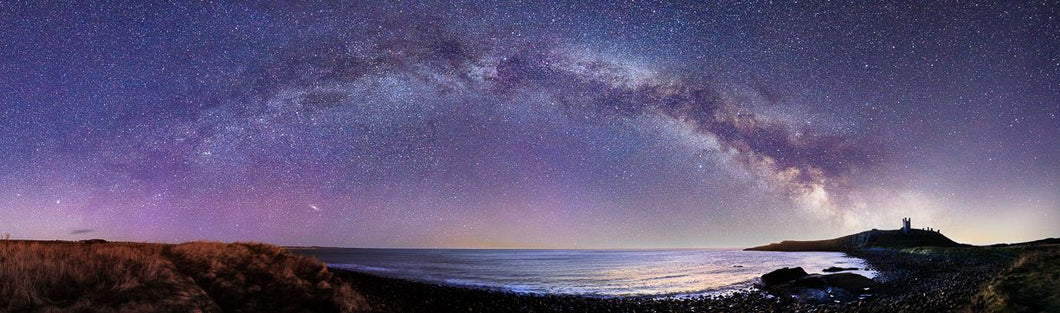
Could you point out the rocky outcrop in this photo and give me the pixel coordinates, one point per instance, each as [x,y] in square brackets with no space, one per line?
[834,269]
[796,282]
[865,239]
[783,275]
[846,281]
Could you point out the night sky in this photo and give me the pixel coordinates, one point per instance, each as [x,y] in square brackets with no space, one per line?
[574,125]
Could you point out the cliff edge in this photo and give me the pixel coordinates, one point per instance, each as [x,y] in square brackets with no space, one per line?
[866,239]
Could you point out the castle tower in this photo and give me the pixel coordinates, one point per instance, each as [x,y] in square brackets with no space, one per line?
[905,225]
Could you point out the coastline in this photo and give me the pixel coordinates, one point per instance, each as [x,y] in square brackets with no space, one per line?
[219,277]
[909,281]
[653,273]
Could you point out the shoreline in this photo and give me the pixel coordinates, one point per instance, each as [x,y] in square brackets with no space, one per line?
[909,281]
[220,277]
[691,274]
[741,287]
[671,274]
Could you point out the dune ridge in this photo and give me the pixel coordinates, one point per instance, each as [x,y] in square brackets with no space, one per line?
[62,276]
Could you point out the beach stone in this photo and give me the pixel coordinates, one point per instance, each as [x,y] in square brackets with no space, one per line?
[838,269]
[849,281]
[783,275]
[853,283]
[810,281]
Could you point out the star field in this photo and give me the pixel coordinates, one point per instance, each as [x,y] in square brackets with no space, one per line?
[572,125]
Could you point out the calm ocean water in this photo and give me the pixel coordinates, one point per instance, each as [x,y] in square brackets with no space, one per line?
[583,272]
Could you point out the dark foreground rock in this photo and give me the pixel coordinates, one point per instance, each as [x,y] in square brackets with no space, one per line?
[846,281]
[795,282]
[783,275]
[834,269]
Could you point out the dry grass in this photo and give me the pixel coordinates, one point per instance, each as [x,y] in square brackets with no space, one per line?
[1032,284]
[250,277]
[192,277]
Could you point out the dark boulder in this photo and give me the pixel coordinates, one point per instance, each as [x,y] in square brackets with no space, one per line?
[838,269]
[810,281]
[849,281]
[832,287]
[783,275]
[795,282]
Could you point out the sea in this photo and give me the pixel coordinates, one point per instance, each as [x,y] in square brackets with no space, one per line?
[594,273]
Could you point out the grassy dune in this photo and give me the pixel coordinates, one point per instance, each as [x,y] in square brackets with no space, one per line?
[190,277]
[1031,284]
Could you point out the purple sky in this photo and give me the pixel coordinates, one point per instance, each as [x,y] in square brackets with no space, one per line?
[533,125]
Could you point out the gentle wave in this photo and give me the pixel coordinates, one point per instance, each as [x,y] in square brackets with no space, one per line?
[601,273]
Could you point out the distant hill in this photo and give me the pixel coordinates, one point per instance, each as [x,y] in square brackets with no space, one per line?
[1046,241]
[865,239]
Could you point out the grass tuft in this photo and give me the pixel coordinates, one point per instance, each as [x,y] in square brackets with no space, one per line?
[1031,284]
[192,277]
